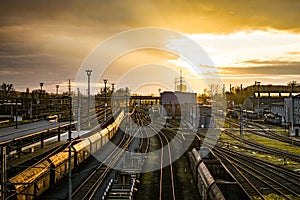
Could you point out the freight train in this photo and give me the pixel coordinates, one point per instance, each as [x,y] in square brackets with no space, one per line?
[32,182]
[213,179]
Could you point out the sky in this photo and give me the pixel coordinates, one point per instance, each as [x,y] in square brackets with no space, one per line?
[248,41]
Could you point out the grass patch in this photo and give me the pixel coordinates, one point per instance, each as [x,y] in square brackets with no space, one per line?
[273,143]
[267,142]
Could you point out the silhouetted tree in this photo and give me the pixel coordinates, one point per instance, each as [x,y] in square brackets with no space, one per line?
[6,89]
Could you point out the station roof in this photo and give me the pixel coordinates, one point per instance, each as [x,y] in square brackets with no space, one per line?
[10,134]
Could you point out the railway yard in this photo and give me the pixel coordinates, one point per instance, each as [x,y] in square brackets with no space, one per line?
[133,156]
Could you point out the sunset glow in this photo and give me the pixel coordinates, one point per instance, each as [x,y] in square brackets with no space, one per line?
[245,40]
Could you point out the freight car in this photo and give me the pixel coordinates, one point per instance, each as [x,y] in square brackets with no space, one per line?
[233,114]
[273,119]
[205,183]
[32,182]
[212,178]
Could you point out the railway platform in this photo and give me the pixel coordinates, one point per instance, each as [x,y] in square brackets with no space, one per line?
[10,134]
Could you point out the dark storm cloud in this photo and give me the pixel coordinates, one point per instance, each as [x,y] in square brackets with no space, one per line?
[39,37]
[191,15]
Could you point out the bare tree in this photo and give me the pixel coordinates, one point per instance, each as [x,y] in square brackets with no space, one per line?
[6,89]
[292,83]
[213,89]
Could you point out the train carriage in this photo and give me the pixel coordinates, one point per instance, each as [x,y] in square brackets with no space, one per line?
[38,180]
[214,181]
[82,151]
[42,176]
[204,180]
[104,136]
[111,130]
[95,141]
[120,118]
[59,165]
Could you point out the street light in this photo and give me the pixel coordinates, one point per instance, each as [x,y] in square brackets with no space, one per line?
[57,86]
[112,91]
[89,72]
[70,149]
[105,81]
[112,87]
[41,84]
[258,95]
[70,140]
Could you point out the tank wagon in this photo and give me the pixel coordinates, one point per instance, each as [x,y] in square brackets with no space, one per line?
[32,182]
[213,179]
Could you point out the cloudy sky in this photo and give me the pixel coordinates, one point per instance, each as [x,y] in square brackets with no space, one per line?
[48,41]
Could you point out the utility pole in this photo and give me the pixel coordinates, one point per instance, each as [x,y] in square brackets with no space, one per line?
[111,96]
[16,106]
[78,112]
[292,115]
[242,122]
[112,88]
[70,146]
[241,89]
[41,100]
[3,173]
[30,109]
[57,86]
[126,110]
[105,104]
[89,73]
[69,87]
[180,81]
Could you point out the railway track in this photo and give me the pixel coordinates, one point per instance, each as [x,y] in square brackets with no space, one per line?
[145,138]
[258,177]
[263,148]
[166,172]
[166,181]
[89,187]
[265,132]
[273,135]
[115,190]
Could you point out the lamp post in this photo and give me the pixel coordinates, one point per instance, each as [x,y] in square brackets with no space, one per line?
[126,109]
[70,150]
[89,72]
[112,87]
[105,104]
[16,103]
[41,84]
[258,96]
[57,86]
[3,173]
[16,111]
[112,91]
